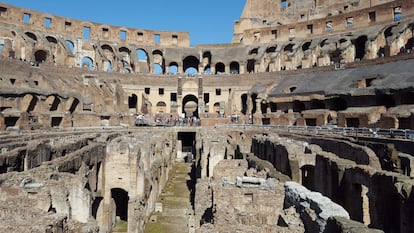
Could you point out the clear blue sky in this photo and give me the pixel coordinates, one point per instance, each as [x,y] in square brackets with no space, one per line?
[208,22]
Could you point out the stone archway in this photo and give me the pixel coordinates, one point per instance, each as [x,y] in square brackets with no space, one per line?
[190,106]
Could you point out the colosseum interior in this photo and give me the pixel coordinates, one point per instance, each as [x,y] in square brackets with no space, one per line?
[303,123]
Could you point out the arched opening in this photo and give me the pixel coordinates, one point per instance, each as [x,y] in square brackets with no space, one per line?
[74,105]
[173,68]
[55,104]
[289,48]
[190,65]
[126,71]
[308,176]
[409,45]
[32,104]
[306,46]
[132,101]
[51,39]
[250,65]
[1,48]
[207,69]
[234,68]
[190,106]
[158,61]
[263,107]
[360,47]
[254,97]
[244,104]
[31,36]
[70,46]
[107,66]
[87,63]
[254,51]
[40,56]
[142,55]
[121,199]
[271,49]
[220,68]
[161,107]
[298,106]
[206,61]
[158,69]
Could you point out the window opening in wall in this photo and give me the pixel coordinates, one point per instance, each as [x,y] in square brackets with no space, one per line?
[173,97]
[310,28]
[174,39]
[105,32]
[147,90]
[328,26]
[218,91]
[87,62]
[122,35]
[132,101]
[1,47]
[283,4]
[3,11]
[68,25]
[48,22]
[173,68]
[264,22]
[302,17]
[346,8]
[206,98]
[274,34]
[158,69]
[26,18]
[372,16]
[397,13]
[157,38]
[140,36]
[349,21]
[86,33]
[160,91]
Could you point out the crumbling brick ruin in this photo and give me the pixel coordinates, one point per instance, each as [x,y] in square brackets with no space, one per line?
[304,123]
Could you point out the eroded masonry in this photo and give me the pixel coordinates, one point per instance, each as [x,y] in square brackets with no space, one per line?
[304,123]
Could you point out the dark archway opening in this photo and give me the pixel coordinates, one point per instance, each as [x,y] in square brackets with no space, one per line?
[32,104]
[40,56]
[254,97]
[244,104]
[250,65]
[132,101]
[220,68]
[95,206]
[121,199]
[54,106]
[234,68]
[190,106]
[74,105]
[308,176]
[56,121]
[10,121]
[360,47]
[190,62]
[188,143]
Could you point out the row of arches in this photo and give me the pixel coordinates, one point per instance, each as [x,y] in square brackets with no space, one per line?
[107,57]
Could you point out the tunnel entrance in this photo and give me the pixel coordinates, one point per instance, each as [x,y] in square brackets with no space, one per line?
[121,199]
[188,144]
